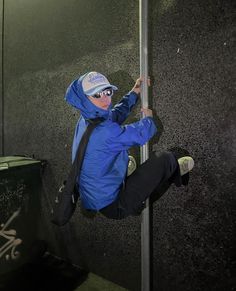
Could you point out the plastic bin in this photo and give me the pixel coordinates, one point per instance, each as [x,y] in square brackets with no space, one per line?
[20,185]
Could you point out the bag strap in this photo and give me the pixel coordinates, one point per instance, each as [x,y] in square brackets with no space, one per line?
[78,161]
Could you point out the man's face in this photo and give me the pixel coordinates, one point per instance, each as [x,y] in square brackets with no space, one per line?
[102,101]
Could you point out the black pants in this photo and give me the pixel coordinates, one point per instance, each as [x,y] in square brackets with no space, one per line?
[154,175]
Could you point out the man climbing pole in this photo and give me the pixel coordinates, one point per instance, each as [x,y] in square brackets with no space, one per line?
[103,183]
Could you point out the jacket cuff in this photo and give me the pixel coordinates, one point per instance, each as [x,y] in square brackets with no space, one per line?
[134,96]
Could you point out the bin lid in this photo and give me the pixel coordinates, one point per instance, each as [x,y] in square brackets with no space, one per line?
[16,161]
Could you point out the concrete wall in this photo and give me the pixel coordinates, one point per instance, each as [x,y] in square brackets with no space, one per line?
[193,51]
[1,83]
[50,43]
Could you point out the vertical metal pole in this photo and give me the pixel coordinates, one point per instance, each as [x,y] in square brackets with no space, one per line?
[145,232]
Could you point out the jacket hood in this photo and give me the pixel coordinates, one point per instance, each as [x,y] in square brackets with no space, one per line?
[75,96]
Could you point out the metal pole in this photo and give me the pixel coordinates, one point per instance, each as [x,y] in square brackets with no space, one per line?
[145,232]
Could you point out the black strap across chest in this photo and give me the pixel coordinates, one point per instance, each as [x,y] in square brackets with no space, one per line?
[78,161]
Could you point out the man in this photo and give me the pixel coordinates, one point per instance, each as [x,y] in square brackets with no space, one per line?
[103,183]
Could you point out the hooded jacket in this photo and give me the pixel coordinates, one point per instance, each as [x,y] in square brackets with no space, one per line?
[106,159]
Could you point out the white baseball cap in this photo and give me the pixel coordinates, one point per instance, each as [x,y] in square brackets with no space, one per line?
[94,82]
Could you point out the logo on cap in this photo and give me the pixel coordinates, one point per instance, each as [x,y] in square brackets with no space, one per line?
[96,78]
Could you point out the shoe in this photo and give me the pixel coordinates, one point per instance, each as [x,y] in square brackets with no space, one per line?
[185,164]
[132,165]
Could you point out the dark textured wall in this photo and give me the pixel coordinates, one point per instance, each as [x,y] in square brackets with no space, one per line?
[194,96]
[49,43]
[1,83]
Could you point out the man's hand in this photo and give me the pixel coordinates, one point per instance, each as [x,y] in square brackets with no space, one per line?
[138,83]
[147,112]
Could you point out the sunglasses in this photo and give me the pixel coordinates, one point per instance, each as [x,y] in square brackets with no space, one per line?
[107,92]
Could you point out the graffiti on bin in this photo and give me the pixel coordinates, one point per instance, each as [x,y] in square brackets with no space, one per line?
[12,196]
[9,248]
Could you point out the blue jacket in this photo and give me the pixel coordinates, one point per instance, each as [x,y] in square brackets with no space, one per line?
[106,159]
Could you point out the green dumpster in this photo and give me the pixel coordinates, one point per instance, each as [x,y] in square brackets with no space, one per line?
[20,184]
